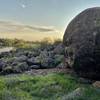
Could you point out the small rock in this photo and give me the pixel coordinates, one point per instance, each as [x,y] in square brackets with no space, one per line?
[37,60]
[58,59]
[20,67]
[2,64]
[7,70]
[84,81]
[77,93]
[61,65]
[33,61]
[34,67]
[59,49]
[21,58]
[96,84]
[47,62]
[51,54]
[49,47]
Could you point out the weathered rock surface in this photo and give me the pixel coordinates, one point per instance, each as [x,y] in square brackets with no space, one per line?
[76,94]
[96,84]
[25,59]
[85,81]
[20,67]
[34,67]
[59,49]
[21,58]
[58,59]
[2,64]
[82,43]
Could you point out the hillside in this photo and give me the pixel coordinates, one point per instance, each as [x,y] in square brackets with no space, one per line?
[38,73]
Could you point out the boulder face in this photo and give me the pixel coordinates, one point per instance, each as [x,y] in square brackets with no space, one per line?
[82,43]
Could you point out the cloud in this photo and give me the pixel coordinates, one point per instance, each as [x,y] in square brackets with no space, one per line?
[42,28]
[14,27]
[23,5]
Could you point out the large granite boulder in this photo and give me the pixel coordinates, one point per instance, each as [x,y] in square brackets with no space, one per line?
[82,43]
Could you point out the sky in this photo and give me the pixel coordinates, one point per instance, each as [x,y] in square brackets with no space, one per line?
[36,19]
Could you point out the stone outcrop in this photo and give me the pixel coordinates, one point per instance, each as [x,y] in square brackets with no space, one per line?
[82,43]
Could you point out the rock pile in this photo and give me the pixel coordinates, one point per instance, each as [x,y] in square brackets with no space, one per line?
[35,58]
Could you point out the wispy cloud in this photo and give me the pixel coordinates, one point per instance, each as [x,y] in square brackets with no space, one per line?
[23,5]
[14,27]
[42,28]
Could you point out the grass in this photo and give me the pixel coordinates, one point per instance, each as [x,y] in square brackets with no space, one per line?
[49,87]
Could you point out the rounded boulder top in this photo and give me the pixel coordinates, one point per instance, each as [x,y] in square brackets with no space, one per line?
[85,21]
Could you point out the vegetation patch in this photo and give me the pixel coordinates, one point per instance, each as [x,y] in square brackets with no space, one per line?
[49,87]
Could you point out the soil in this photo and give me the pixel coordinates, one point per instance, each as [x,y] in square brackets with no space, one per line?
[47,71]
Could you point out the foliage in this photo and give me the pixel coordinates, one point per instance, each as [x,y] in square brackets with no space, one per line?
[17,43]
[57,41]
[49,87]
[28,44]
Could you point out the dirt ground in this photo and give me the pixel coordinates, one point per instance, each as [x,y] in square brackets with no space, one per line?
[47,71]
